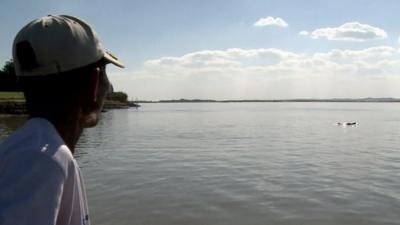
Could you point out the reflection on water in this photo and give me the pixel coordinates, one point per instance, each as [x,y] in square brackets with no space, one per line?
[245,164]
[250,163]
[92,139]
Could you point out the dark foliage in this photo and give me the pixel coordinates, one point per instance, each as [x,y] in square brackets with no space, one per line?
[8,80]
[118,96]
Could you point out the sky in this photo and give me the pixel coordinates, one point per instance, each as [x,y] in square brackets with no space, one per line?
[235,49]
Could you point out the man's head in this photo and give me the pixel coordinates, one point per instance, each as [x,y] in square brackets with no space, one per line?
[60,64]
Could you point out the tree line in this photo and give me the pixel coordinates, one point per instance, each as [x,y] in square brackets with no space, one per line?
[8,80]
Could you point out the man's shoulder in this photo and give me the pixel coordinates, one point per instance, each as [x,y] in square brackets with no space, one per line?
[36,141]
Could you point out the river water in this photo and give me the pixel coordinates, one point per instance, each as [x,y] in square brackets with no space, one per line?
[242,164]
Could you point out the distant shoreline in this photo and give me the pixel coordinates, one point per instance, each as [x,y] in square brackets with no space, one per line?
[18,107]
[337,100]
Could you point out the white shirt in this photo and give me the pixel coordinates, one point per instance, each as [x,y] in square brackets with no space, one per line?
[40,181]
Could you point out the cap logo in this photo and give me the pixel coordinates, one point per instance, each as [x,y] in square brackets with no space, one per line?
[26,56]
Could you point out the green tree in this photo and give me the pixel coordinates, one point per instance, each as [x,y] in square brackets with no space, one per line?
[8,68]
[8,79]
[119,96]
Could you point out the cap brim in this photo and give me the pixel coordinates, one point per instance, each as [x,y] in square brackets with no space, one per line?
[112,59]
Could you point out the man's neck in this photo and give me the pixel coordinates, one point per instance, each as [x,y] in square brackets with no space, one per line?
[69,129]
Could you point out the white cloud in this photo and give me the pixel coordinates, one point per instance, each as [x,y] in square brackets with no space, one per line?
[270,21]
[371,55]
[304,33]
[352,31]
[269,59]
[267,74]
[234,57]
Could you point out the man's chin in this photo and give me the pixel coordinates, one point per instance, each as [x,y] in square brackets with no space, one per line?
[90,121]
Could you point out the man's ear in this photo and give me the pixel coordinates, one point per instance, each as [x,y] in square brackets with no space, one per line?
[94,80]
[90,102]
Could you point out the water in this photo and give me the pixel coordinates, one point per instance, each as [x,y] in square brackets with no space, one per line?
[242,163]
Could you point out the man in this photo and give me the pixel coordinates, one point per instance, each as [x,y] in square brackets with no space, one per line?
[60,65]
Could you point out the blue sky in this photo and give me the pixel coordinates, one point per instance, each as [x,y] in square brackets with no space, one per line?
[147,34]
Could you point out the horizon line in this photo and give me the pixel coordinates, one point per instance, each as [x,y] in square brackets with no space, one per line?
[366,99]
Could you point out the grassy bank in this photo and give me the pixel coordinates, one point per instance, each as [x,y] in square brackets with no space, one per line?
[11,96]
[14,103]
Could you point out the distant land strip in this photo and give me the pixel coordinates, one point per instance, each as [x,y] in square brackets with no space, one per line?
[377,100]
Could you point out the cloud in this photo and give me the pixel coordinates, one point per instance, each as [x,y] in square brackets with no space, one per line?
[234,57]
[276,62]
[352,31]
[270,59]
[304,33]
[267,73]
[270,21]
[369,55]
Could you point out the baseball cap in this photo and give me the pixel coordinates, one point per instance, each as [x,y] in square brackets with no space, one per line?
[56,44]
